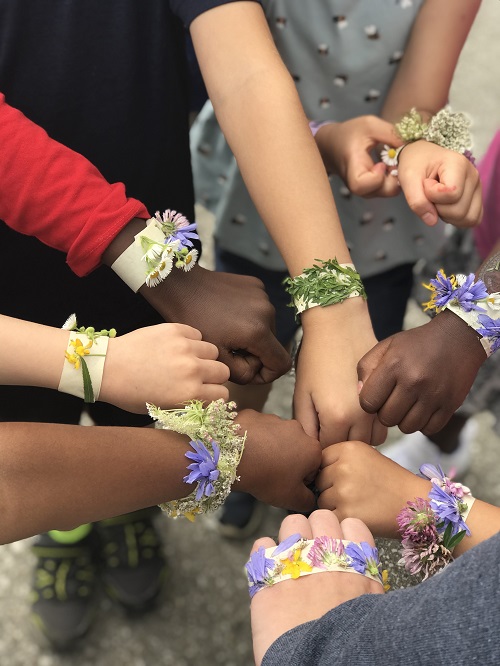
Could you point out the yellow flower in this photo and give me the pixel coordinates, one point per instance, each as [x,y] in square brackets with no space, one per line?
[80,352]
[296,566]
[385,580]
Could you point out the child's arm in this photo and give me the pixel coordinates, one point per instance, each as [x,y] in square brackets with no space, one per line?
[436,182]
[418,378]
[59,476]
[257,106]
[166,364]
[359,482]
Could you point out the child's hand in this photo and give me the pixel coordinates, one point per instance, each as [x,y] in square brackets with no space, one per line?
[346,150]
[418,378]
[438,182]
[358,481]
[166,364]
[285,605]
[278,462]
[326,400]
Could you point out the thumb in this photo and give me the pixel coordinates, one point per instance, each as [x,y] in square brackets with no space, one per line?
[440,193]
[363,177]
[242,366]
[370,361]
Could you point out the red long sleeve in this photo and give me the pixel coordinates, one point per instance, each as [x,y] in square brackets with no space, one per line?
[55,194]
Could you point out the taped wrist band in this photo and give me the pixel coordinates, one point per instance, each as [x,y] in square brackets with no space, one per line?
[215,453]
[165,243]
[84,366]
[129,265]
[431,528]
[325,284]
[296,557]
[446,129]
[470,300]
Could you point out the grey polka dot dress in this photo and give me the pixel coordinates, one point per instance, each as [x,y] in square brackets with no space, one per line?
[342,55]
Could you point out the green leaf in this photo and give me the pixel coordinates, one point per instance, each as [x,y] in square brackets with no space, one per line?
[88,391]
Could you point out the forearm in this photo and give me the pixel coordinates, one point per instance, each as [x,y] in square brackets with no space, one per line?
[55,194]
[59,476]
[424,76]
[260,113]
[31,354]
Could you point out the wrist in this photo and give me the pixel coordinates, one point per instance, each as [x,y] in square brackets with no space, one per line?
[121,242]
[463,336]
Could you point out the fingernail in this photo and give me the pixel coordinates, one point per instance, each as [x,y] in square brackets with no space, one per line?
[360,386]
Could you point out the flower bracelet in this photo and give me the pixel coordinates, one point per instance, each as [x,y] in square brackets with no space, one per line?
[164,243]
[431,528]
[216,453]
[86,351]
[296,557]
[470,300]
[325,284]
[446,129]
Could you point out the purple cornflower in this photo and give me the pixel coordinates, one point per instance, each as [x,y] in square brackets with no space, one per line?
[177,228]
[286,544]
[363,558]
[447,508]
[326,551]
[436,475]
[490,329]
[443,290]
[258,568]
[469,293]
[204,468]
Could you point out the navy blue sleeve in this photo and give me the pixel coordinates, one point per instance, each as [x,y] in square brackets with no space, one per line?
[446,620]
[188,10]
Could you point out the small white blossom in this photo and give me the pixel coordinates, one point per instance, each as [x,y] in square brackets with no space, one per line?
[190,260]
[389,156]
[70,323]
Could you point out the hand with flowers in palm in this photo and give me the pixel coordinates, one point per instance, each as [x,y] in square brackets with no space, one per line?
[278,608]
[347,149]
[417,379]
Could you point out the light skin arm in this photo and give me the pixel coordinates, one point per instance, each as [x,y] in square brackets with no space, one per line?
[185,367]
[257,106]
[58,476]
[436,182]
[358,481]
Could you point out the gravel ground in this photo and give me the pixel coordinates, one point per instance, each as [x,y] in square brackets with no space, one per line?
[203,616]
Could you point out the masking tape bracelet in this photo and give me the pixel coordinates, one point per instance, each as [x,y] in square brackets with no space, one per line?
[296,557]
[445,128]
[325,284]
[216,450]
[165,243]
[84,360]
[470,300]
[431,528]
